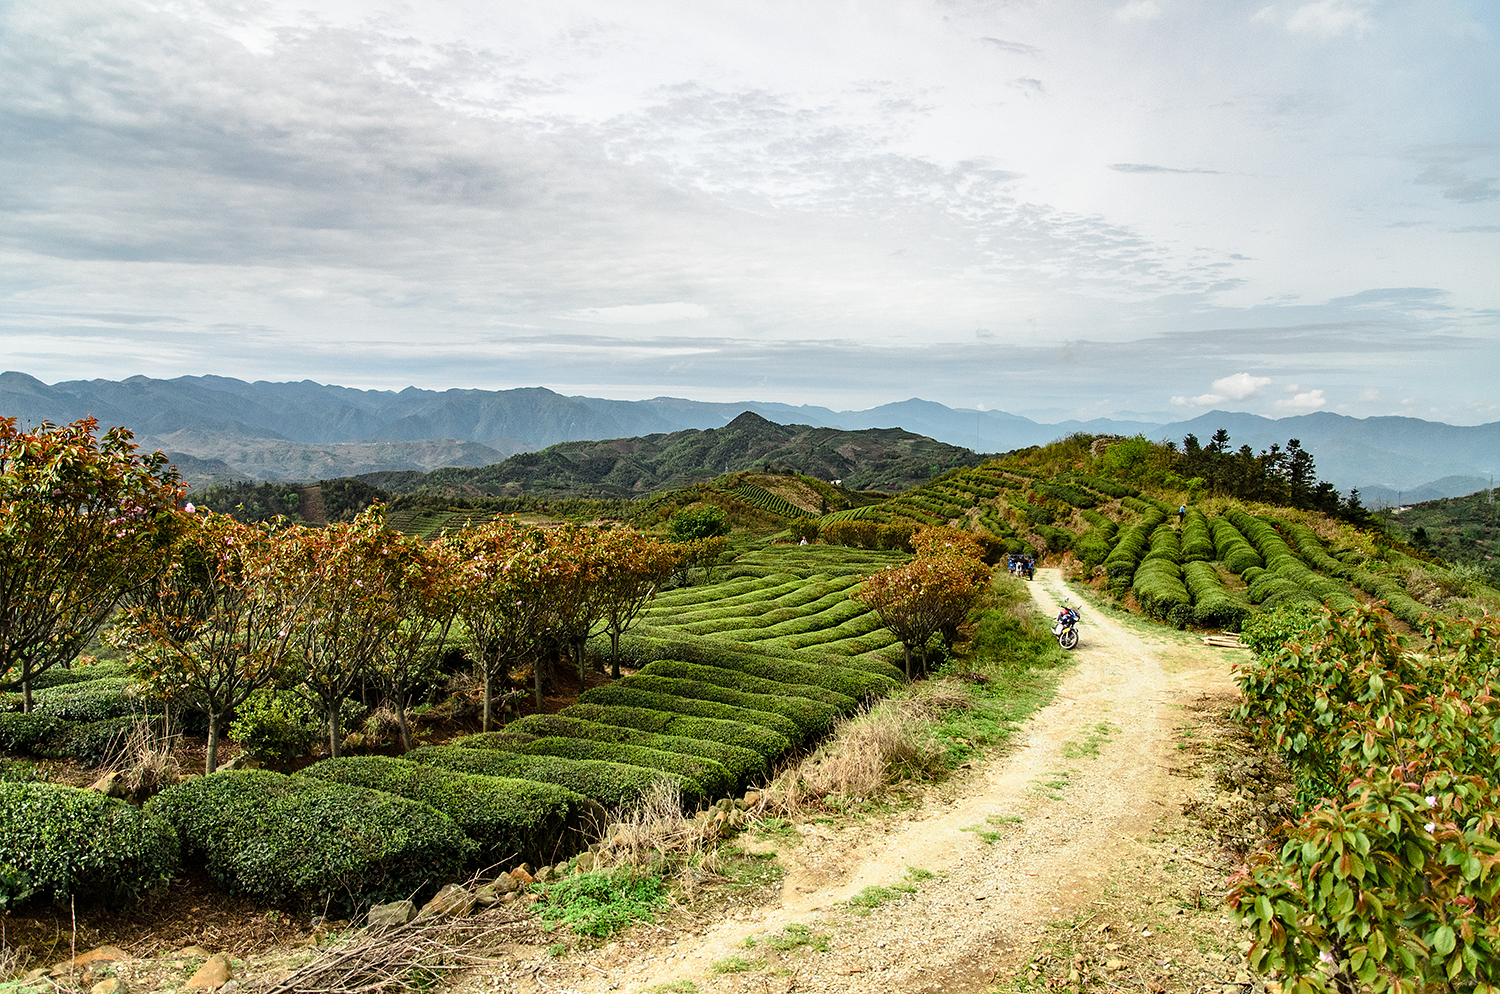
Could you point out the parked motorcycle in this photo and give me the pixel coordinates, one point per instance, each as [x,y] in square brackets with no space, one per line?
[1065,627]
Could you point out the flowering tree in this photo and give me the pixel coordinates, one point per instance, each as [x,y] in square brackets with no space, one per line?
[425,601]
[215,623]
[83,520]
[634,567]
[918,599]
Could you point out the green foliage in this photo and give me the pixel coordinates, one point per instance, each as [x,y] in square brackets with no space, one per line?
[28,733]
[803,529]
[697,522]
[1122,561]
[252,502]
[93,700]
[638,697]
[91,742]
[1401,604]
[1311,549]
[1392,880]
[510,820]
[281,725]
[614,785]
[1068,494]
[742,763]
[1291,621]
[769,743]
[601,903]
[1164,545]
[58,842]
[812,718]
[860,533]
[308,842]
[1158,588]
[19,771]
[789,667]
[762,498]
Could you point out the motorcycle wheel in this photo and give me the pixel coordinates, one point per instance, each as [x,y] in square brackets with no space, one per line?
[1068,639]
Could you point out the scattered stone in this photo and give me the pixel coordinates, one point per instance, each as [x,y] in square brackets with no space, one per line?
[394,913]
[240,762]
[452,900]
[110,785]
[193,951]
[211,975]
[544,874]
[1114,965]
[752,799]
[114,985]
[585,861]
[522,875]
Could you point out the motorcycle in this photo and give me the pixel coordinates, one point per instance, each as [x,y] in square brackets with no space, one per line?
[1065,627]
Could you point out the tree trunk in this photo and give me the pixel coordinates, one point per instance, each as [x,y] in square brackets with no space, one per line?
[536,672]
[614,654]
[26,694]
[400,705]
[333,731]
[489,683]
[211,761]
[906,648]
[582,677]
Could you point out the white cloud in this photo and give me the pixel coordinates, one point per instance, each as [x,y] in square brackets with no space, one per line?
[638,313]
[1324,18]
[1138,10]
[1240,386]
[1303,403]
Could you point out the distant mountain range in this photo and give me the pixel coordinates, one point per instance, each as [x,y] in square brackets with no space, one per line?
[233,429]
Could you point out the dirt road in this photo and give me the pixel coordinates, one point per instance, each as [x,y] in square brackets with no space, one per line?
[1033,838]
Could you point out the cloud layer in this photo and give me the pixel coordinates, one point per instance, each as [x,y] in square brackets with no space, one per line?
[980,204]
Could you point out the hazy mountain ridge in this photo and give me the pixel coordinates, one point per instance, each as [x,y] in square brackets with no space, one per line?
[198,412]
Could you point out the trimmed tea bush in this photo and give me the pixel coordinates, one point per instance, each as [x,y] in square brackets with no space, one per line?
[639,697]
[1197,540]
[1401,604]
[510,820]
[58,842]
[92,700]
[27,733]
[1232,548]
[1213,607]
[737,680]
[1158,589]
[768,743]
[1311,549]
[812,718]
[308,842]
[1122,561]
[92,742]
[1271,588]
[711,777]
[614,785]
[1165,545]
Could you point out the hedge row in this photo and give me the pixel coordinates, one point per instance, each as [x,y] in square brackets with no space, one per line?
[1401,603]
[810,718]
[510,820]
[768,742]
[772,604]
[1057,539]
[614,785]
[1067,494]
[1164,545]
[762,498]
[857,678]
[1270,588]
[93,700]
[58,842]
[712,779]
[1213,607]
[1121,563]
[736,680]
[1281,560]
[1231,548]
[48,737]
[1093,546]
[1197,540]
[1110,488]
[1137,504]
[308,842]
[1159,590]
[1311,549]
[743,764]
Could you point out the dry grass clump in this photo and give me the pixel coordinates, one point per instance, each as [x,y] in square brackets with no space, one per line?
[657,835]
[142,759]
[873,751]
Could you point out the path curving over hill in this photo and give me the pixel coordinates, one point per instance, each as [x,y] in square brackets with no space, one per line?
[1089,778]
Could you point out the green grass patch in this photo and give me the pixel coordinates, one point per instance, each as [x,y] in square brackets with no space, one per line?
[602,903]
[736,964]
[990,835]
[1051,786]
[797,936]
[1094,737]
[876,896]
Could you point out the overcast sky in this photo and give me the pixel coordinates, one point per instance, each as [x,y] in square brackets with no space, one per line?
[1052,208]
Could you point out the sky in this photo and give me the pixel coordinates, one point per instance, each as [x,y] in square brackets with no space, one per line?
[1063,210]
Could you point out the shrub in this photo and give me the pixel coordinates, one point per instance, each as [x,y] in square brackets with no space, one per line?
[92,742]
[638,697]
[1111,488]
[737,680]
[281,725]
[1401,604]
[1159,590]
[58,842]
[743,764]
[698,522]
[93,700]
[1126,555]
[848,681]
[768,743]
[1290,621]
[712,778]
[803,528]
[1271,589]
[510,820]
[812,718]
[1232,548]
[1165,545]
[1093,546]
[1212,605]
[1197,541]
[1067,494]
[19,771]
[1311,549]
[27,733]
[614,785]
[310,842]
